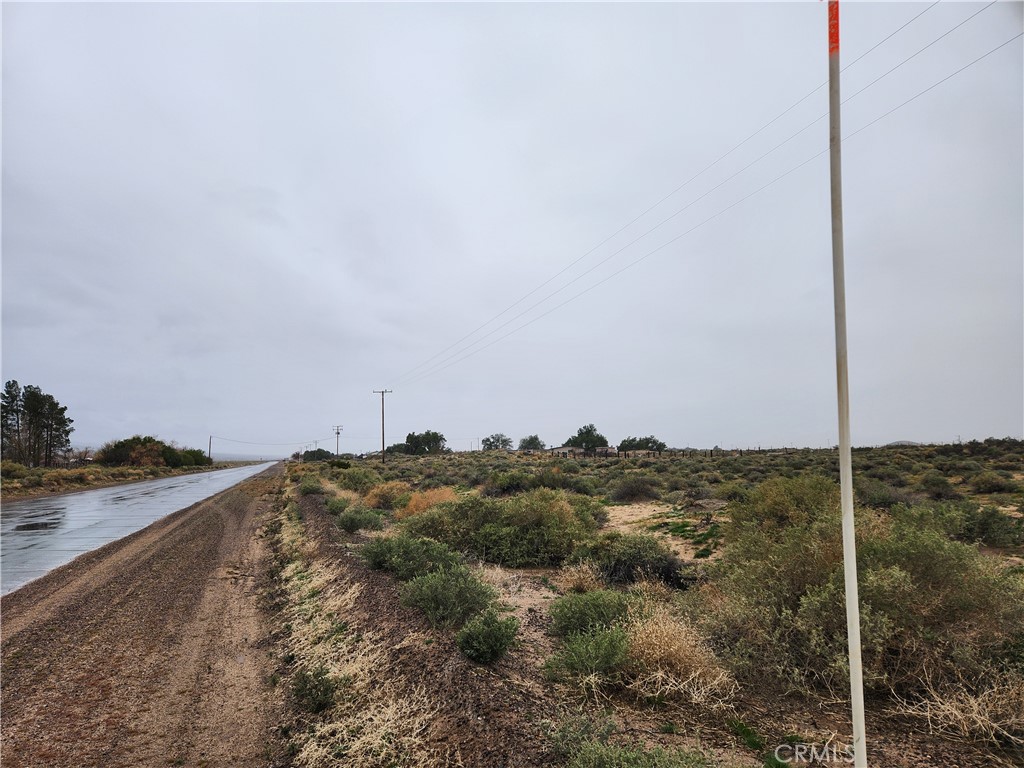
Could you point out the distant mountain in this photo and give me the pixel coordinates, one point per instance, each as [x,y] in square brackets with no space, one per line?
[902,444]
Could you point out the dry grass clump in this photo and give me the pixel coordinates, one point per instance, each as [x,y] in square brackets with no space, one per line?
[507,582]
[583,576]
[993,713]
[385,730]
[365,719]
[669,659]
[652,590]
[390,495]
[421,501]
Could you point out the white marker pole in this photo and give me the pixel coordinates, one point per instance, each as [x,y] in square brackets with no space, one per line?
[842,380]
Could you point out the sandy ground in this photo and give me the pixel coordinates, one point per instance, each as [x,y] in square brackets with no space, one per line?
[152,650]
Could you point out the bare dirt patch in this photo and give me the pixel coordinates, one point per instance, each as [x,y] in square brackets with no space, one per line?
[657,518]
[149,651]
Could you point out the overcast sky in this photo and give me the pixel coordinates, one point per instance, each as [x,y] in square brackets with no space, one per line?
[239,219]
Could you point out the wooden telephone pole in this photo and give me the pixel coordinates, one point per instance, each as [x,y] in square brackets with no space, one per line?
[382,392]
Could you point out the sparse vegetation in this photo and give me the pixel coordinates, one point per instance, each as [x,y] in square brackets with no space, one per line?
[408,556]
[626,558]
[448,597]
[487,637]
[750,600]
[360,518]
[583,612]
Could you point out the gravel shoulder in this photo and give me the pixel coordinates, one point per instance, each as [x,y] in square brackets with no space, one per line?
[152,650]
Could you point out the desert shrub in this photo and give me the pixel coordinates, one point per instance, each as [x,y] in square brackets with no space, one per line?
[408,556]
[338,504]
[993,482]
[540,527]
[594,754]
[507,483]
[390,495]
[310,485]
[584,611]
[487,637]
[938,487]
[314,689]
[598,654]
[625,558]
[931,608]
[635,487]
[352,520]
[532,529]
[591,512]
[993,528]
[991,711]
[12,470]
[582,576]
[697,490]
[421,501]
[875,493]
[448,597]
[732,492]
[358,479]
[575,731]
[669,659]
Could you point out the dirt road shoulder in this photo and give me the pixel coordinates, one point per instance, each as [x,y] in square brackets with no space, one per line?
[153,650]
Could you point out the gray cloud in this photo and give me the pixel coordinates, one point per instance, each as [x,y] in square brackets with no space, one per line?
[239,219]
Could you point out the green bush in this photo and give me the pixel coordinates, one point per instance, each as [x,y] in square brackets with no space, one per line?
[338,504]
[358,479]
[875,493]
[594,754]
[12,470]
[487,637]
[602,652]
[537,528]
[408,556]
[507,483]
[938,487]
[310,485]
[358,518]
[448,597]
[582,612]
[932,609]
[993,482]
[991,527]
[635,488]
[314,689]
[732,492]
[626,558]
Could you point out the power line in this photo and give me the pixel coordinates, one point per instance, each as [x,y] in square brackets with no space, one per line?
[440,366]
[247,442]
[661,223]
[456,354]
[648,210]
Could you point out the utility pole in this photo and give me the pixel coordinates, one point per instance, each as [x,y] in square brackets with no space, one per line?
[337,438]
[843,389]
[209,449]
[382,392]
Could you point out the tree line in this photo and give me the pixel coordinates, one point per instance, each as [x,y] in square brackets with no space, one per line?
[148,451]
[35,429]
[586,439]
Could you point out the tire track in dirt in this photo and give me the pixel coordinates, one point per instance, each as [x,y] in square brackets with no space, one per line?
[150,651]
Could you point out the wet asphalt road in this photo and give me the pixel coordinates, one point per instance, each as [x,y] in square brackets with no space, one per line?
[38,535]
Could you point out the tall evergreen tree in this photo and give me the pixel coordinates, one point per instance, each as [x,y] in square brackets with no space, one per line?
[36,430]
